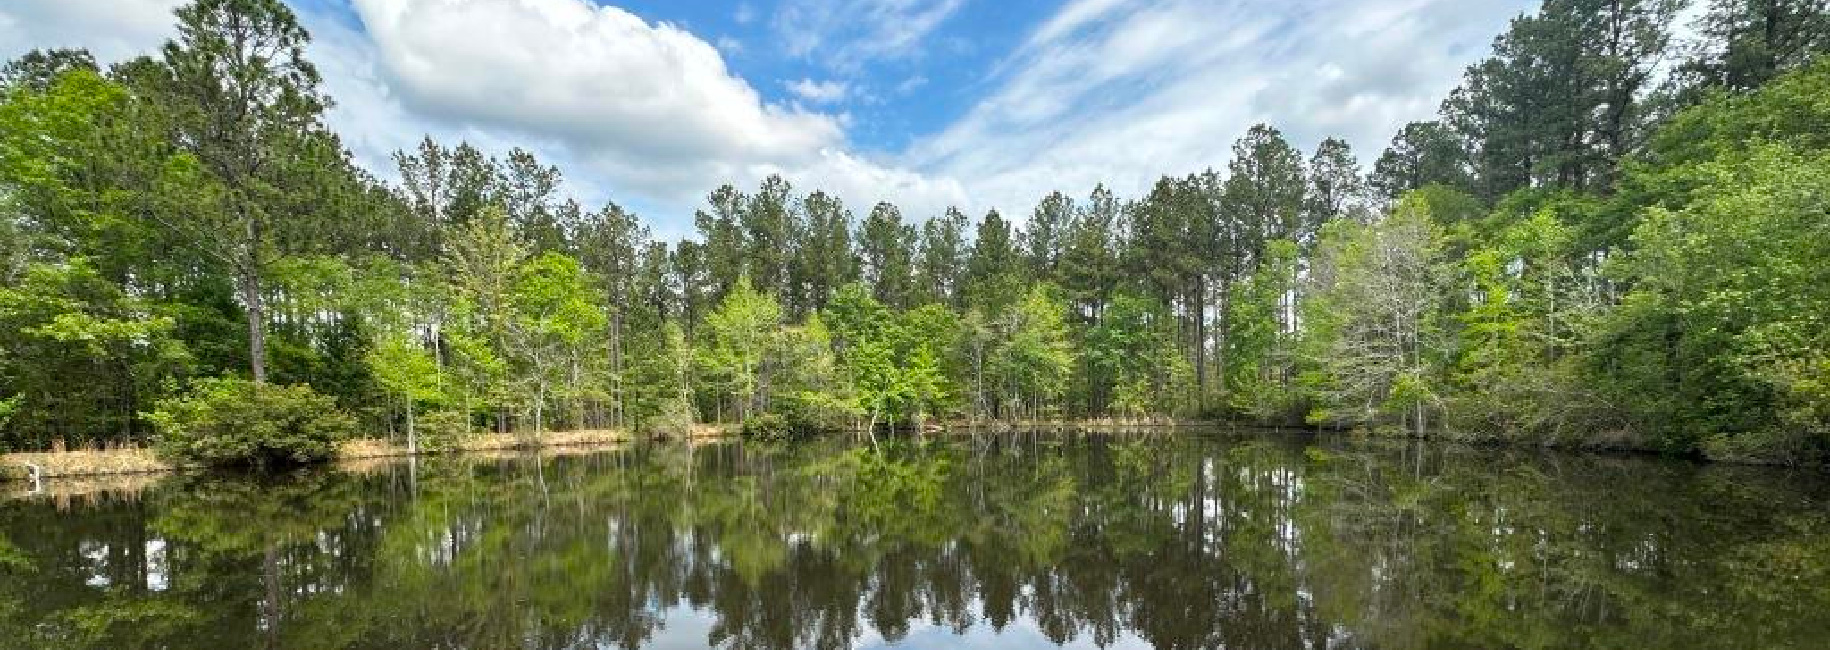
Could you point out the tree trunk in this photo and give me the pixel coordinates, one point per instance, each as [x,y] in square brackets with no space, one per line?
[616,368]
[1198,307]
[257,321]
[1223,325]
[412,435]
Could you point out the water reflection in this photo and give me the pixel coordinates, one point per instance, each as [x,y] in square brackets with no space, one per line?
[1173,541]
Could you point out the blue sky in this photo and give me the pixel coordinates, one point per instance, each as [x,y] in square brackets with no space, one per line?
[926,103]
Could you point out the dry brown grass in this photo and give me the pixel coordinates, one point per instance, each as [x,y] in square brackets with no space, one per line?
[139,461]
[378,448]
[86,463]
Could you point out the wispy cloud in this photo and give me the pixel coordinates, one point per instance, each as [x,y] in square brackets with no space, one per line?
[845,34]
[818,92]
[1123,93]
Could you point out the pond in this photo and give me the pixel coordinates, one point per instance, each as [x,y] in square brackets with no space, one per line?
[1022,540]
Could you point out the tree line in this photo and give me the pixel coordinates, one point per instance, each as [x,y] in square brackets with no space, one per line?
[1608,238]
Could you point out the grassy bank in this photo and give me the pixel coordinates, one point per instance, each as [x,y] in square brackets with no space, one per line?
[126,461]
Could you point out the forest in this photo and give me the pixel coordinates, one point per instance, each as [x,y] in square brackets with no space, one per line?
[1613,235]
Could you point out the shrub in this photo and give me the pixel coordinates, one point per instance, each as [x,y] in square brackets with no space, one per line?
[442,430]
[766,426]
[673,419]
[230,422]
[790,425]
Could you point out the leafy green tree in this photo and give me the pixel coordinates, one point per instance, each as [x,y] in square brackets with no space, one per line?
[82,353]
[1262,340]
[661,384]
[1034,360]
[403,367]
[740,336]
[1133,349]
[483,263]
[1726,315]
[864,334]
[927,333]
[1374,331]
[555,307]
[814,391]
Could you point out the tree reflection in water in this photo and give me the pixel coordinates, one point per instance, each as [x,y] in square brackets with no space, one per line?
[1176,541]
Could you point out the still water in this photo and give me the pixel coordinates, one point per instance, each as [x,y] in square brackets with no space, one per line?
[1171,540]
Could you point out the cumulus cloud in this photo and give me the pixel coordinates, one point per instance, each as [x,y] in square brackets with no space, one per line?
[648,107]
[1123,93]
[598,76]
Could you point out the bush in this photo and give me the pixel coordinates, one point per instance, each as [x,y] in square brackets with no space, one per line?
[442,430]
[790,425]
[673,419]
[235,422]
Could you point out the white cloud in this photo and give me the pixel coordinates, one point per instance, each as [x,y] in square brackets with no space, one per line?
[599,77]
[650,109]
[818,92]
[1123,93]
[111,29]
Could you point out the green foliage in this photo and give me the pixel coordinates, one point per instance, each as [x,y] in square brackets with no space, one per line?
[1731,298]
[1374,329]
[442,429]
[78,349]
[1034,361]
[740,337]
[778,426]
[235,422]
[1132,351]
[1569,254]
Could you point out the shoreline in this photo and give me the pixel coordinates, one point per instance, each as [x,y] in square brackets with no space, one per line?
[17,467]
[84,464]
